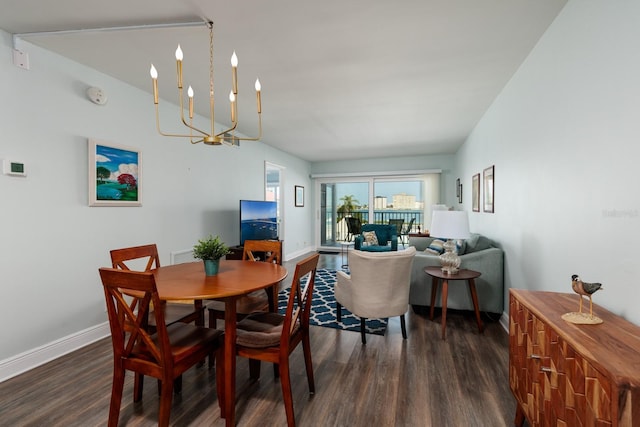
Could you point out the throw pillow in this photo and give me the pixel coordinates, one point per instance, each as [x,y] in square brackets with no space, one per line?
[436,247]
[477,242]
[370,237]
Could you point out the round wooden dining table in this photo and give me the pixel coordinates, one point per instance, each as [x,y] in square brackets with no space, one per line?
[234,279]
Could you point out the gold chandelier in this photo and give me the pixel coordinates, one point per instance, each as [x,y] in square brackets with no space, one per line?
[196,135]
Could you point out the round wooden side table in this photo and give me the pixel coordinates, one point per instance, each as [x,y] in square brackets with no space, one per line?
[438,275]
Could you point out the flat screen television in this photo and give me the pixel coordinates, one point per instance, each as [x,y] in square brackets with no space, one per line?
[258,220]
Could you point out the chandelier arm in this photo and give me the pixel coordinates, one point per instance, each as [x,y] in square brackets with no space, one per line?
[169,134]
[257,138]
[184,122]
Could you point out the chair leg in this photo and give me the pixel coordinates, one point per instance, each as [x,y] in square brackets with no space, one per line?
[285,382]
[165,403]
[177,384]
[138,385]
[403,325]
[212,320]
[254,369]
[338,312]
[362,330]
[308,364]
[220,379]
[116,396]
[213,324]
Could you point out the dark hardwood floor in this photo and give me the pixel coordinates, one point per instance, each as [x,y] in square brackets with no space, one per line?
[421,381]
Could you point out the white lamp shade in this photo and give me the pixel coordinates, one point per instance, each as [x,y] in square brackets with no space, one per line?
[450,224]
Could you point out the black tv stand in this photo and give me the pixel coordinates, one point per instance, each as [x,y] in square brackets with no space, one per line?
[237,251]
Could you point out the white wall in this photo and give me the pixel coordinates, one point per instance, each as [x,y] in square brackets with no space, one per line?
[445,162]
[52,243]
[563,136]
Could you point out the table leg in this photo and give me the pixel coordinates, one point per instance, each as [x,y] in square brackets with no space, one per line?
[198,306]
[229,411]
[434,291]
[345,250]
[445,295]
[474,298]
[272,296]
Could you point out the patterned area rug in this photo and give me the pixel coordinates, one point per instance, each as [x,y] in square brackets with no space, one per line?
[323,307]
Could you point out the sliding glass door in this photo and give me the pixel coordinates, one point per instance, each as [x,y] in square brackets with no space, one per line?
[339,201]
[402,200]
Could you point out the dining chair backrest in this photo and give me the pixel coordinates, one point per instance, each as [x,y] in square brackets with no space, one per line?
[125,258]
[125,317]
[298,310]
[271,251]
[272,337]
[260,300]
[137,349]
[145,258]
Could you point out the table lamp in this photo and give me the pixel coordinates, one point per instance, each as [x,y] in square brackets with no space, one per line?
[450,225]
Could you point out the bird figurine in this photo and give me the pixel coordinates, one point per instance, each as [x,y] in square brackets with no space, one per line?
[586,289]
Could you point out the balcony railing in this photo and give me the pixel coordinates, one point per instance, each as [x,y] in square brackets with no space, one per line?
[381,216]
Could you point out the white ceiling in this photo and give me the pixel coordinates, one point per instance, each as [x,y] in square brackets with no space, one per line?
[341,79]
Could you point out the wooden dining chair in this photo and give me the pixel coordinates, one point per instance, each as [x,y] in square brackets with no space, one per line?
[262,300]
[145,258]
[165,354]
[272,337]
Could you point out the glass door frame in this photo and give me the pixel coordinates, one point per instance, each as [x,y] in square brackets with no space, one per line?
[428,200]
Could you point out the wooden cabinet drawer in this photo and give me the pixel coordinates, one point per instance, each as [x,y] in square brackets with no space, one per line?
[571,375]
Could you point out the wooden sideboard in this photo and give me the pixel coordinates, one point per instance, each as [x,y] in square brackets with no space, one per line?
[563,374]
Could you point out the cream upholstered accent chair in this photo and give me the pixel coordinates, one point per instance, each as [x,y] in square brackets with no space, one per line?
[378,286]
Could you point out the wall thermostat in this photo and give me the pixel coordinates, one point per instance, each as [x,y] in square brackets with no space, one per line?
[10,167]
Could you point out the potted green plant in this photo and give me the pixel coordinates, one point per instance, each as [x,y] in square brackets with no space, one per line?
[210,250]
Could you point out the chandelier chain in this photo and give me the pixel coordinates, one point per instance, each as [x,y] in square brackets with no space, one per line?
[211,58]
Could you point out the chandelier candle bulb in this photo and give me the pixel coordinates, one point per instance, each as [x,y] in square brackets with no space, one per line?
[234,72]
[179,57]
[154,78]
[232,98]
[190,93]
[258,89]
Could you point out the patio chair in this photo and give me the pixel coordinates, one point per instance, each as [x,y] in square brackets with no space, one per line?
[404,235]
[354,227]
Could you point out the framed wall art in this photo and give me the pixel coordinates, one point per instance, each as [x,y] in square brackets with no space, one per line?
[114,175]
[475,193]
[299,195]
[488,177]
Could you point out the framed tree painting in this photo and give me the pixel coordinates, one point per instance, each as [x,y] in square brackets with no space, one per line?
[488,179]
[475,192]
[114,175]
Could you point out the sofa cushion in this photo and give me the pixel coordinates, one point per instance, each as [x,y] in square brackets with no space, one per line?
[436,247]
[370,237]
[376,248]
[477,242]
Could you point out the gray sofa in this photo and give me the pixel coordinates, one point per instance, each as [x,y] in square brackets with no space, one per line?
[476,253]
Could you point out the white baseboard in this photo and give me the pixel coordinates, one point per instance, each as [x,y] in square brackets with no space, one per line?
[504,321]
[30,359]
[298,253]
